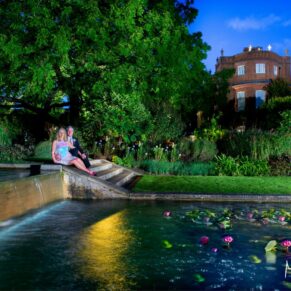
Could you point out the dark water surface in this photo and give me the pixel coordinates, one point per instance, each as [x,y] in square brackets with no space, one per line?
[126,245]
[12,174]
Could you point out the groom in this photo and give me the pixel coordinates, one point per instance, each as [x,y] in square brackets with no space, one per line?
[74,141]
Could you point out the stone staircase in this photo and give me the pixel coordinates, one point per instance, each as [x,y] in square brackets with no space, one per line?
[112,173]
[111,180]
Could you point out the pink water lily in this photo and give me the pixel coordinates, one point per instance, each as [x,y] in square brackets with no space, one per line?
[204,240]
[286,243]
[250,215]
[281,218]
[227,239]
[167,213]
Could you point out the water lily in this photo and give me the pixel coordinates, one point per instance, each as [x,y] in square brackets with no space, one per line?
[281,218]
[286,243]
[250,215]
[214,250]
[167,213]
[227,239]
[204,240]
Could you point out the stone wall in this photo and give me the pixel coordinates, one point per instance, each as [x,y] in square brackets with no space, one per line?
[18,197]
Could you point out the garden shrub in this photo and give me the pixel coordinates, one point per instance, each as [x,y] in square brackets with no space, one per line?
[174,154]
[176,168]
[198,150]
[9,130]
[212,131]
[14,153]
[285,123]
[127,161]
[160,153]
[117,160]
[43,150]
[255,144]
[5,140]
[280,166]
[240,166]
[270,112]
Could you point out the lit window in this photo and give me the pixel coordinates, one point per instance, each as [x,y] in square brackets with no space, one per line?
[275,70]
[260,69]
[241,100]
[260,98]
[240,70]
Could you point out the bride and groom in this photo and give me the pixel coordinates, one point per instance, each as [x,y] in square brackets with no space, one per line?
[66,150]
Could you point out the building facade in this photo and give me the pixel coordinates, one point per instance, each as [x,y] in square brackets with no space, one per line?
[254,68]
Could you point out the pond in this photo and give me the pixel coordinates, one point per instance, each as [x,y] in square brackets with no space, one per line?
[136,245]
[12,174]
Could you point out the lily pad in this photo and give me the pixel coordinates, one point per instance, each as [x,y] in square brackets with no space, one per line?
[287,284]
[167,244]
[271,245]
[254,259]
[198,278]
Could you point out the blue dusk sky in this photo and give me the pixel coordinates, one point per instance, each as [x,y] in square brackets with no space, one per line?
[232,25]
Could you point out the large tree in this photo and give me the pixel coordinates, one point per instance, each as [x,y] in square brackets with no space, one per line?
[125,67]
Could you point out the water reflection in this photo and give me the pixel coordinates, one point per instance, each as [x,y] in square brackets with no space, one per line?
[104,248]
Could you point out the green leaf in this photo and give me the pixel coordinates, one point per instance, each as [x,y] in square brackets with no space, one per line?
[271,245]
[287,284]
[198,278]
[254,259]
[167,244]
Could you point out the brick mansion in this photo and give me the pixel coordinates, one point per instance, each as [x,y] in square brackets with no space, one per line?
[254,68]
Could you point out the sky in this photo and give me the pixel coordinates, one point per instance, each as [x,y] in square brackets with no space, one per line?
[233,25]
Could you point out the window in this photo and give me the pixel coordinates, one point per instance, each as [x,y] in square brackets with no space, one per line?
[275,70]
[241,101]
[260,69]
[260,98]
[240,70]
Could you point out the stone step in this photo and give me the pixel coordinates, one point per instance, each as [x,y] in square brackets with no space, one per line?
[96,162]
[109,173]
[101,167]
[122,178]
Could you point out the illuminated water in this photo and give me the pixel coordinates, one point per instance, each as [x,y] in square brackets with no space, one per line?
[121,245]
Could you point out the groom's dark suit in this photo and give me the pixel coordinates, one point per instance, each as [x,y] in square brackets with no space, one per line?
[77,148]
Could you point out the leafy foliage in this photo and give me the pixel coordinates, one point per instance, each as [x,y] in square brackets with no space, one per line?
[210,131]
[255,144]
[126,68]
[229,166]
[270,113]
[43,150]
[14,153]
[278,88]
[176,168]
[197,150]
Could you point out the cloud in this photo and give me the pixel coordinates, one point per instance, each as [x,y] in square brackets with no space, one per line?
[287,23]
[282,46]
[251,22]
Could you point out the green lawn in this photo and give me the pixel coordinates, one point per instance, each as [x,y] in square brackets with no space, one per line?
[214,184]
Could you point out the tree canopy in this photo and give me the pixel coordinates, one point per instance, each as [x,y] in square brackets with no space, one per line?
[124,68]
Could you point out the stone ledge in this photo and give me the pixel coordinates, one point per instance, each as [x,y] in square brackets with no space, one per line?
[16,166]
[211,197]
[51,167]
